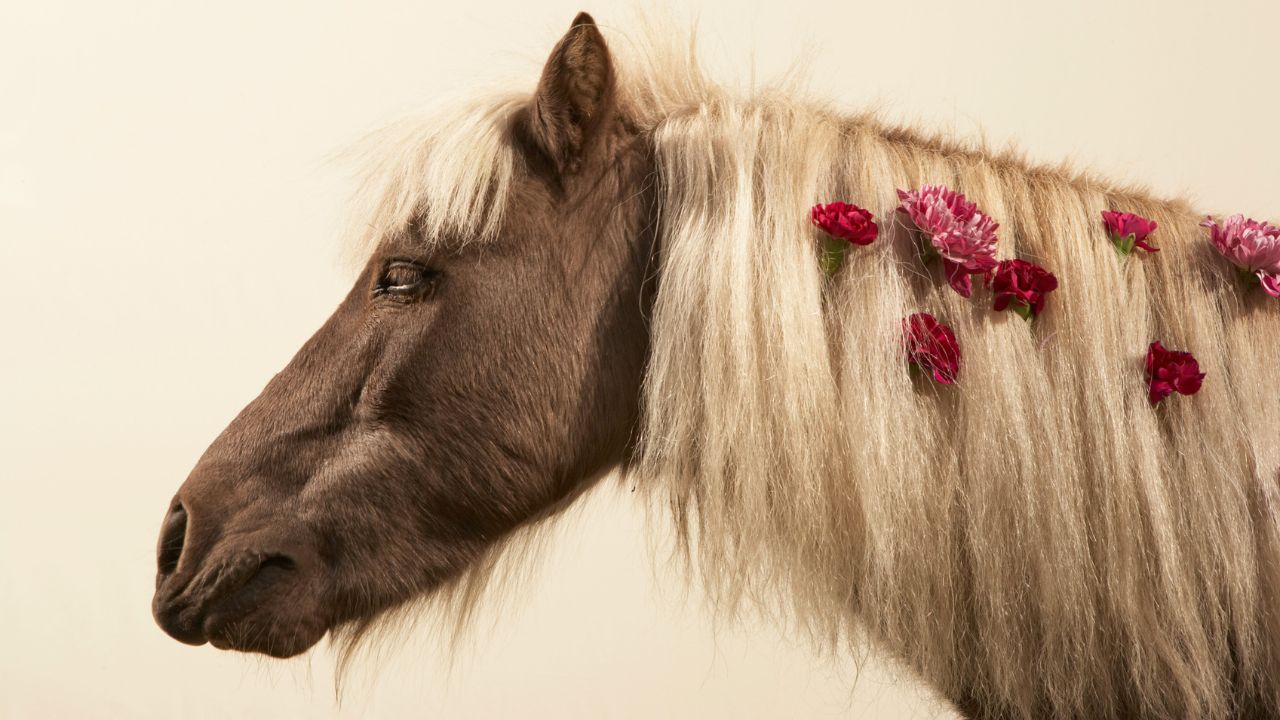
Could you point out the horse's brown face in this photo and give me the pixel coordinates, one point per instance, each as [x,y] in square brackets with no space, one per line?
[454,395]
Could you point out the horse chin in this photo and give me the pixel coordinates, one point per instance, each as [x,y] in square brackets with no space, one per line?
[284,630]
[271,640]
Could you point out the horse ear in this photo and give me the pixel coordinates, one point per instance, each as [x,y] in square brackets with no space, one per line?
[574,94]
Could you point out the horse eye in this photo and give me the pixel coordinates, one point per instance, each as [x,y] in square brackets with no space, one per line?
[405,280]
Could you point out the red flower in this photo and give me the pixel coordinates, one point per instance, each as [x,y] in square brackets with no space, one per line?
[845,221]
[1128,231]
[1169,371]
[957,231]
[931,347]
[1022,285]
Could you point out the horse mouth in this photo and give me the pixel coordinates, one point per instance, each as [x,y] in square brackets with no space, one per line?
[250,602]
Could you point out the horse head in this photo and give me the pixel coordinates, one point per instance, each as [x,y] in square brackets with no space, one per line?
[485,367]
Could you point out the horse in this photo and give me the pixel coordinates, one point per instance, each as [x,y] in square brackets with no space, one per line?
[618,272]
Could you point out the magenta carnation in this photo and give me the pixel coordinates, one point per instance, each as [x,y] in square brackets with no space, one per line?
[1129,231]
[1250,245]
[962,235]
[931,346]
[845,221]
[1169,372]
[1022,286]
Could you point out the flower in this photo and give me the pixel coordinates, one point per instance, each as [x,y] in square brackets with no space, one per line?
[1128,231]
[1169,371]
[1022,285]
[957,231]
[845,221]
[1250,245]
[931,346]
[845,225]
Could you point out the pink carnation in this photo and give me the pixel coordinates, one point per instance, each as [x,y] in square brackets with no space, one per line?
[845,221]
[1250,245]
[1128,231]
[1169,372]
[957,230]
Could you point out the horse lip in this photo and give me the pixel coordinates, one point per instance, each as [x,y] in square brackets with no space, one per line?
[187,609]
[239,619]
[177,620]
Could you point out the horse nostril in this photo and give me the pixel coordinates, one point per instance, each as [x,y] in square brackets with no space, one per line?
[172,537]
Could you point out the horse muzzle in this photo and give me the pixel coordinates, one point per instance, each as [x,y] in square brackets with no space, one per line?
[251,589]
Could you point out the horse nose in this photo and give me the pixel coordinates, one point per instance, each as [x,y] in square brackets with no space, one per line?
[173,536]
[173,615]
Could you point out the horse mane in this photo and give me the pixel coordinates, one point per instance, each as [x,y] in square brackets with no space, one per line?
[1037,540]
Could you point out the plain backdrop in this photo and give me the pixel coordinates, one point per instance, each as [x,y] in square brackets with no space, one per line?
[169,217]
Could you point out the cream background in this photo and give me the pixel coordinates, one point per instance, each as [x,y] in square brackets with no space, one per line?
[167,240]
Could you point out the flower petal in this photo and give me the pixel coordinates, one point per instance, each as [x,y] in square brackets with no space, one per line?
[1270,282]
[959,278]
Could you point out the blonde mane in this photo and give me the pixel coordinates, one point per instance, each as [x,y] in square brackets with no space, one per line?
[1037,539]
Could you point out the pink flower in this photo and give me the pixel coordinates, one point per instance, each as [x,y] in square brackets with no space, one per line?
[1128,231]
[1022,285]
[931,347]
[845,221]
[1169,371]
[957,230]
[1250,245]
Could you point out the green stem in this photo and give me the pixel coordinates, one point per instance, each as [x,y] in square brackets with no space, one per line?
[928,252]
[833,251]
[1124,245]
